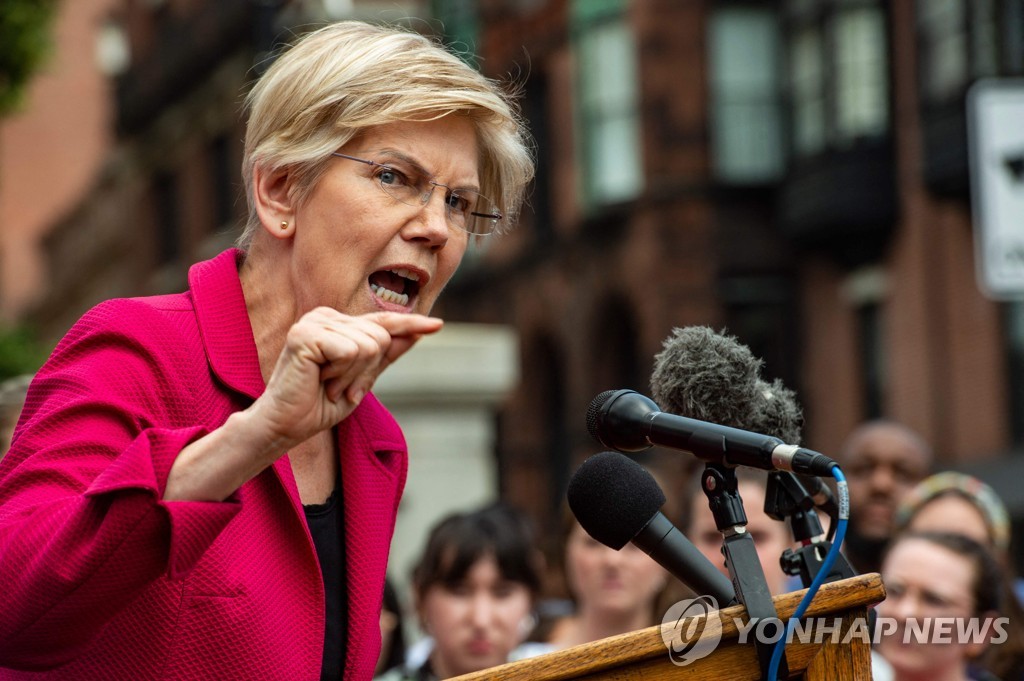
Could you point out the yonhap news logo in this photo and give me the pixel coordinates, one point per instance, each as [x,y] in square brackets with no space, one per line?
[691,629]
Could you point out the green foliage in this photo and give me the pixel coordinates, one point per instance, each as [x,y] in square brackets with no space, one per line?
[24,43]
[20,351]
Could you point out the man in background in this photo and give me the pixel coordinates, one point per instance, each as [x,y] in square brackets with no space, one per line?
[882,461]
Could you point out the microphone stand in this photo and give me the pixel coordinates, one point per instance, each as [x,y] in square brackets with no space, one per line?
[719,484]
[786,497]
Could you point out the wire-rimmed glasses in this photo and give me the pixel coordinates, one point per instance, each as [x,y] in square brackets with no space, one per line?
[466,209]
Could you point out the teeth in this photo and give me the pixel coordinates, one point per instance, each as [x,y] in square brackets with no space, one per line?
[389,295]
[401,271]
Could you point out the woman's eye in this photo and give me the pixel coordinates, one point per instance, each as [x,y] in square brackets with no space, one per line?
[505,590]
[458,203]
[457,589]
[390,176]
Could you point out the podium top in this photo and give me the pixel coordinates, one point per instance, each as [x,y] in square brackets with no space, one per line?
[642,646]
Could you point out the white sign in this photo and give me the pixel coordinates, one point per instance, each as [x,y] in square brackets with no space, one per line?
[995,124]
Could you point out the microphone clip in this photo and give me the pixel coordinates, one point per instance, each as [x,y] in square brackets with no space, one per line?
[786,497]
[721,488]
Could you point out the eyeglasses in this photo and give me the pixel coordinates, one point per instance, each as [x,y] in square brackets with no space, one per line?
[466,209]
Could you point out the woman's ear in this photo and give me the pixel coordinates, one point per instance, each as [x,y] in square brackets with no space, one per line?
[273,201]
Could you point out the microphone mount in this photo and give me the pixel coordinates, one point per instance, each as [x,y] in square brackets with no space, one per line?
[721,488]
[786,497]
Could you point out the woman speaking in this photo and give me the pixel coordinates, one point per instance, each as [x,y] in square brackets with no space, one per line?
[201,485]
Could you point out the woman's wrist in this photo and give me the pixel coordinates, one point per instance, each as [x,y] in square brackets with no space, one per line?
[214,466]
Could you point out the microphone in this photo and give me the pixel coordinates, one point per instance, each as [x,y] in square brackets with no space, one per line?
[617,501]
[713,377]
[627,421]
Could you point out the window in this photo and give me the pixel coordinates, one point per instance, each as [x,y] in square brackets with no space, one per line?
[761,311]
[808,87]
[460,24]
[959,42]
[1013,315]
[862,85]
[746,122]
[838,73]
[866,290]
[168,219]
[608,102]
[872,357]
[226,191]
[1013,23]
[113,50]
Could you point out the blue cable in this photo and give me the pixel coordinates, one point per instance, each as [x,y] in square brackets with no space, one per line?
[826,567]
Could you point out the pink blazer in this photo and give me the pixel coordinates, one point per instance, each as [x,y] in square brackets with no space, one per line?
[103,580]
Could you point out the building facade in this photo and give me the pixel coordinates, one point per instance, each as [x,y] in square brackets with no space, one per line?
[793,172]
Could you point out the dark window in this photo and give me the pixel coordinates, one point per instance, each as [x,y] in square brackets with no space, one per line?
[872,357]
[535,108]
[958,43]
[225,184]
[460,26]
[1013,319]
[761,312]
[168,218]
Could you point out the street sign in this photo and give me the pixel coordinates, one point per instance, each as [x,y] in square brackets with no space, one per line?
[995,135]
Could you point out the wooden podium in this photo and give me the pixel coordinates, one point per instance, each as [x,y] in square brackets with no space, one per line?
[643,655]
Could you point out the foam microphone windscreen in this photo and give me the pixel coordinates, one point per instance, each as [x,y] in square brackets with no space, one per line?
[780,413]
[613,498]
[709,376]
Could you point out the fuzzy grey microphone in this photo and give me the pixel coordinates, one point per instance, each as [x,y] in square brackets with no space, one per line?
[724,375]
[711,376]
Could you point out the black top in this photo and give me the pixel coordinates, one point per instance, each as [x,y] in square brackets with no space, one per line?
[327,526]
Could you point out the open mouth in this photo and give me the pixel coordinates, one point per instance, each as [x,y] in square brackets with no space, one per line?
[397,286]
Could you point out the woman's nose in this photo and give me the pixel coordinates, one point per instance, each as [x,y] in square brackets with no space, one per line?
[431,224]
[903,607]
[481,610]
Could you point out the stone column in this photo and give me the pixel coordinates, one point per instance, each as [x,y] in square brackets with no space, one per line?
[444,393]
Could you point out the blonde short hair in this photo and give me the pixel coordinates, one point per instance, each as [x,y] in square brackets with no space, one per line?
[349,76]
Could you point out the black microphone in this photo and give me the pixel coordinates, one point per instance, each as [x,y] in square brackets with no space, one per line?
[617,501]
[629,422]
[701,374]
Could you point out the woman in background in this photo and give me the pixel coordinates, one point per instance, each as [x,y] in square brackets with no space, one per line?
[392,632]
[953,502]
[771,537]
[474,588]
[939,576]
[613,592]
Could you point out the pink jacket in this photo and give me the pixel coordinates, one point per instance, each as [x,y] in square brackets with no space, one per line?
[103,580]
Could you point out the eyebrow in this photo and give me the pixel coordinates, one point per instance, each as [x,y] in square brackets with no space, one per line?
[406,158]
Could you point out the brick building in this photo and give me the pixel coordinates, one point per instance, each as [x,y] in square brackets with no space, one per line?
[795,172]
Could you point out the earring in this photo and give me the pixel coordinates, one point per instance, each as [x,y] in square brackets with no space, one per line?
[527,625]
[284,225]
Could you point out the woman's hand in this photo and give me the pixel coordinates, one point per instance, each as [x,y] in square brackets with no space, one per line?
[329,362]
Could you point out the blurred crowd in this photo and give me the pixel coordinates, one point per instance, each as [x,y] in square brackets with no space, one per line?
[483,594]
